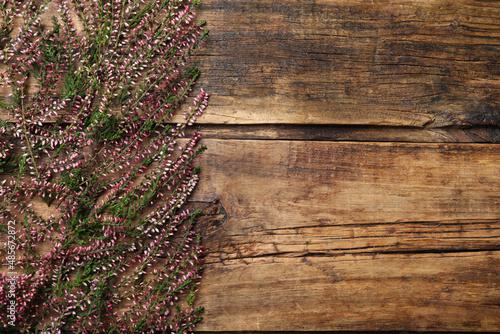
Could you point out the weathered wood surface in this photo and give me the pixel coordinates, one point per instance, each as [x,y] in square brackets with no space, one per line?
[392,62]
[350,236]
[351,133]
[326,236]
[317,236]
[305,235]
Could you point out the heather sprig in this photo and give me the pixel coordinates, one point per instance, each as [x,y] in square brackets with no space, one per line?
[93,170]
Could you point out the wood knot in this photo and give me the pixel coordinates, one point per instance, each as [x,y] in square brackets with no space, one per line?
[211,219]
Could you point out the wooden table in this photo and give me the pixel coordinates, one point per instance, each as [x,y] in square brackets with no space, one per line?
[352,176]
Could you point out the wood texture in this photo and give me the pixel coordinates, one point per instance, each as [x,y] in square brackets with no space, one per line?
[351,133]
[316,216]
[389,62]
[350,236]
[412,63]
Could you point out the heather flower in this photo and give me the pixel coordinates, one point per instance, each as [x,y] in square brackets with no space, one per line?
[93,173]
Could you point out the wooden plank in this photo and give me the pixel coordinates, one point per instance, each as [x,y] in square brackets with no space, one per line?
[350,236]
[418,292]
[477,134]
[330,332]
[389,62]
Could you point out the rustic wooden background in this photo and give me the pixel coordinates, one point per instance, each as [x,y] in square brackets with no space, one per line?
[352,176]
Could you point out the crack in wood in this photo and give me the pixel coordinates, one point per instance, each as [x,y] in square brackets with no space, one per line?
[211,257]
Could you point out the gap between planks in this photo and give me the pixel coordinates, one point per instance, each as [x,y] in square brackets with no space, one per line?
[286,132]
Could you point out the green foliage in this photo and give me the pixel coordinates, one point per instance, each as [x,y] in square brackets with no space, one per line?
[92,177]
[10,163]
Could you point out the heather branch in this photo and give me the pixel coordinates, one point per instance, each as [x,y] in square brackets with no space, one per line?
[118,220]
[28,142]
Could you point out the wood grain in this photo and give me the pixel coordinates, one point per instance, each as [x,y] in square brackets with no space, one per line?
[476,134]
[350,236]
[355,292]
[389,62]
[412,63]
[313,228]
[354,236]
